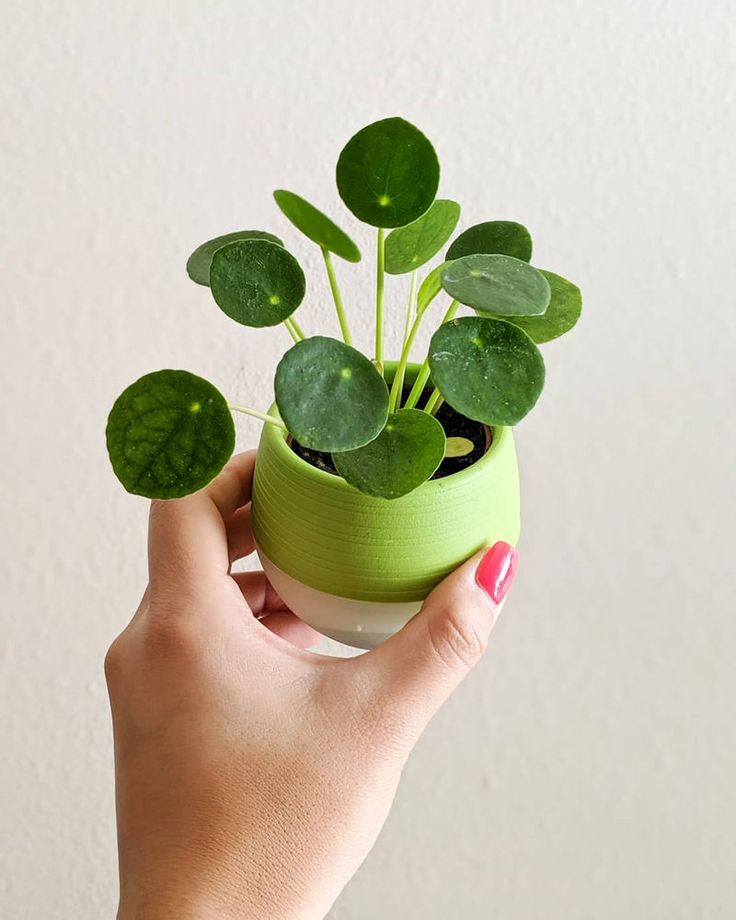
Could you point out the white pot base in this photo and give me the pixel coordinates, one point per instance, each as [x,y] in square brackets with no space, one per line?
[361,624]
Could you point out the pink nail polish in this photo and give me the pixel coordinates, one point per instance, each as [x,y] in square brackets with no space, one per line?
[496,571]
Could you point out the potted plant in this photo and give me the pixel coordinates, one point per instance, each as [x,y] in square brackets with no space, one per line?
[374,479]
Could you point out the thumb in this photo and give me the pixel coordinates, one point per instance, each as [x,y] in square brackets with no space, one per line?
[419,667]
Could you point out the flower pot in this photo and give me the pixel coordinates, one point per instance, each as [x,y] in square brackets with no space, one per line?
[356,568]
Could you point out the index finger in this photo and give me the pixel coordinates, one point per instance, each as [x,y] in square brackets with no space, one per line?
[187,537]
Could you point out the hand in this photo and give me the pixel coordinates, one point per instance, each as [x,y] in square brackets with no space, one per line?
[253,776]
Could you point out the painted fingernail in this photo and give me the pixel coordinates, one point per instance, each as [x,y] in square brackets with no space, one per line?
[496,570]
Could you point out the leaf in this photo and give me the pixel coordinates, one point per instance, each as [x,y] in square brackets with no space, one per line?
[504,237]
[316,226]
[403,456]
[565,307]
[256,282]
[430,287]
[487,369]
[410,247]
[388,173]
[330,396]
[198,263]
[169,434]
[501,285]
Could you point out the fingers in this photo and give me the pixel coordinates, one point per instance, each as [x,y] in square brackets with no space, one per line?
[420,666]
[271,610]
[232,488]
[258,592]
[187,537]
[240,534]
[288,626]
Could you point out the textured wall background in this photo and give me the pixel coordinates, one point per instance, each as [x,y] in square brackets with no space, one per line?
[586,768]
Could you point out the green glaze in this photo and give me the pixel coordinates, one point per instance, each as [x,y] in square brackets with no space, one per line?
[321,531]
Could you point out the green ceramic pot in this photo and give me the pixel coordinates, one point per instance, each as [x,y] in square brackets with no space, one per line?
[356,568]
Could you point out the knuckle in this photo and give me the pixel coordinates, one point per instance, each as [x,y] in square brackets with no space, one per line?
[114,660]
[455,640]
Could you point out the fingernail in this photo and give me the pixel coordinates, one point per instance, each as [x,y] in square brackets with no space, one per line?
[496,570]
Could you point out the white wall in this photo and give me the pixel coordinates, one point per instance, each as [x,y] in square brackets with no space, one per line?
[586,768]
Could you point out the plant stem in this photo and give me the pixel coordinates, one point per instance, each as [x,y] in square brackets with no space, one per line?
[297,328]
[410,331]
[434,402]
[336,296]
[423,375]
[398,382]
[410,306]
[270,419]
[418,388]
[294,330]
[380,254]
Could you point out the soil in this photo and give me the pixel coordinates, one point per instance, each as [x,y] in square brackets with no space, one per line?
[455,425]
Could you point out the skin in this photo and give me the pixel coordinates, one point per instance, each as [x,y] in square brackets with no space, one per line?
[252,775]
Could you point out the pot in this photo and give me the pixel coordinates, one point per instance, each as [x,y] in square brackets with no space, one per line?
[357,568]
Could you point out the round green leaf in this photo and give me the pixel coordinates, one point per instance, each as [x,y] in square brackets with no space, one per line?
[501,285]
[430,287]
[316,226]
[388,173]
[487,369]
[410,247]
[403,456]
[256,282]
[198,263]
[169,434]
[565,307]
[505,237]
[330,396]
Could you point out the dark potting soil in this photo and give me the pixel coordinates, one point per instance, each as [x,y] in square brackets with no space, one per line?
[455,425]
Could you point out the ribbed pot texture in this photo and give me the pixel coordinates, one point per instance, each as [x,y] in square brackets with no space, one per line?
[326,534]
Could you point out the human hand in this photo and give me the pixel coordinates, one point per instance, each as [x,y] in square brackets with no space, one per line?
[253,776]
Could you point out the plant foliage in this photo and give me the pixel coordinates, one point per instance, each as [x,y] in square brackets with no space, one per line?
[171,432]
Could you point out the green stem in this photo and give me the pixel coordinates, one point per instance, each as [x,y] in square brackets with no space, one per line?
[294,330]
[421,381]
[434,402]
[297,328]
[336,296]
[423,375]
[380,258]
[410,331]
[271,419]
[398,383]
[410,306]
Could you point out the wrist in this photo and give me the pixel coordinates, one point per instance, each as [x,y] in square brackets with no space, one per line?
[164,907]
